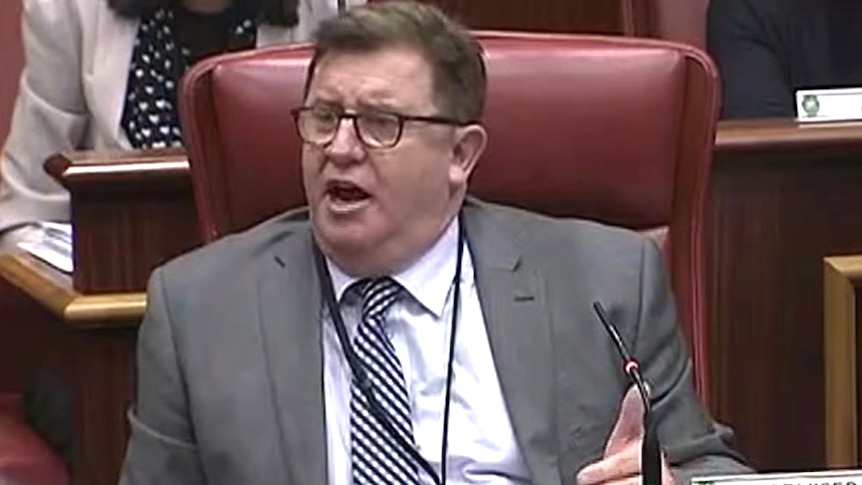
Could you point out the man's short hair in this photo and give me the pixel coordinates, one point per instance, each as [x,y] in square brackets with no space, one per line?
[457,66]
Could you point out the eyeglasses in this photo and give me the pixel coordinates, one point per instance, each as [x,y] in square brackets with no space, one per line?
[318,125]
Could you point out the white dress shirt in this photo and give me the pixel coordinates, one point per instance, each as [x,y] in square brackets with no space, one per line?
[482,448]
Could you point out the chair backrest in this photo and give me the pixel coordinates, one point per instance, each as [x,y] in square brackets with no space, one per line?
[12,60]
[612,129]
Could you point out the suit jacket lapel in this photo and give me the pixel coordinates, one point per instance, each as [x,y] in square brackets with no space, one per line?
[290,320]
[513,299]
[108,73]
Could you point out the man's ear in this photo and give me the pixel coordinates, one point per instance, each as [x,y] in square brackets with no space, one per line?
[469,145]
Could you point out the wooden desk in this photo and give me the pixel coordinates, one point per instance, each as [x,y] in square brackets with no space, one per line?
[842,317]
[130,212]
[98,338]
[784,196]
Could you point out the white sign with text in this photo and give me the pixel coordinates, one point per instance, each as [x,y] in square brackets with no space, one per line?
[829,104]
[830,477]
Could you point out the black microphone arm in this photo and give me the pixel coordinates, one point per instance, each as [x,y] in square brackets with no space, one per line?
[650,448]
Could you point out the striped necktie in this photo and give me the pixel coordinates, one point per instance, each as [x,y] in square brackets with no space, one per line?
[376,456]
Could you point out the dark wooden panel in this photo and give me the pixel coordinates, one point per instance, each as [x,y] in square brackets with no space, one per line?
[593,16]
[91,365]
[102,388]
[131,212]
[28,344]
[858,297]
[783,197]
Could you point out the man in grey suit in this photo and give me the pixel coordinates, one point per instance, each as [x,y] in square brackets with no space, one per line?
[396,331]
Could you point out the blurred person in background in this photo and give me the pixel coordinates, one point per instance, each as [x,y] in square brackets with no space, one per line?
[103,75]
[766,50]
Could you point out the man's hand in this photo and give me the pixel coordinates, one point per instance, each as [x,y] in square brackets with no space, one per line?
[620,464]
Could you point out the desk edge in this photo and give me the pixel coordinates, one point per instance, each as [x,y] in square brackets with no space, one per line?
[101,311]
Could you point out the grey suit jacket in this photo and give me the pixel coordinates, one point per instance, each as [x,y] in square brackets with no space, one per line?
[230,383]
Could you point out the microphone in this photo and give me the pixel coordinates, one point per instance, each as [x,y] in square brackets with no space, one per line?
[341,6]
[650,449]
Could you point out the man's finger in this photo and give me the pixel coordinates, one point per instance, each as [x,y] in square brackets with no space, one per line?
[633,480]
[630,423]
[623,464]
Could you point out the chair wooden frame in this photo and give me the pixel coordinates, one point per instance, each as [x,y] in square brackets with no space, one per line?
[842,283]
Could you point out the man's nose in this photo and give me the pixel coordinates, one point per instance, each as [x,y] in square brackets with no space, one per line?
[345,145]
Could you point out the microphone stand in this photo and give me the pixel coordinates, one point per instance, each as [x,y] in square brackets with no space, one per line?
[650,448]
[341,6]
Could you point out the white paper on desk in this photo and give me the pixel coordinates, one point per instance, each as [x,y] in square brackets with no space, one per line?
[52,243]
[58,230]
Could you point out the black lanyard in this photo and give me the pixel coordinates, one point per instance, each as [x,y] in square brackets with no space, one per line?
[360,376]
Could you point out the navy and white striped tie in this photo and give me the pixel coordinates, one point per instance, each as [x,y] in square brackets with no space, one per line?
[376,456]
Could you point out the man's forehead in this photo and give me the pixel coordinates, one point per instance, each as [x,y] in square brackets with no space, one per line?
[387,70]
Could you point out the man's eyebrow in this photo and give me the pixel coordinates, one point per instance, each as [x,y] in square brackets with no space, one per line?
[328,103]
[382,105]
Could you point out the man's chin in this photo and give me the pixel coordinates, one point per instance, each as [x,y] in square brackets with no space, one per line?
[349,249]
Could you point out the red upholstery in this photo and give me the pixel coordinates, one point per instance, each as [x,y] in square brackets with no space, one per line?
[24,457]
[25,345]
[607,128]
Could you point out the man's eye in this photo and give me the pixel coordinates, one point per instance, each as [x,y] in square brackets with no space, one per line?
[324,114]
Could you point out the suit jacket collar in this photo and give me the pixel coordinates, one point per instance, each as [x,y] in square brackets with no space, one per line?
[513,302]
[290,309]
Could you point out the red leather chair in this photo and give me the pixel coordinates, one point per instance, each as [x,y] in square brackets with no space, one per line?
[13,60]
[24,457]
[613,129]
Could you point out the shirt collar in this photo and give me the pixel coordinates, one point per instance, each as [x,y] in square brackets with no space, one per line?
[428,280]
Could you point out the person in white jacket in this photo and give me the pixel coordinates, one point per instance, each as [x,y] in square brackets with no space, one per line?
[103,74]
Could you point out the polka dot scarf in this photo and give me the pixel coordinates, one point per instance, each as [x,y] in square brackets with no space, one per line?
[150,118]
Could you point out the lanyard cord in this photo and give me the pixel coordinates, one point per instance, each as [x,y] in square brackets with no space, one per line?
[361,376]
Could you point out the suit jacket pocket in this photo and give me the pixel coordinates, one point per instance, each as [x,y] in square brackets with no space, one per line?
[154,458]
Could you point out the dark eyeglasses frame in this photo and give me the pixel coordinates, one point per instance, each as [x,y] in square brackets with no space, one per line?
[402,119]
